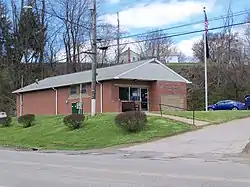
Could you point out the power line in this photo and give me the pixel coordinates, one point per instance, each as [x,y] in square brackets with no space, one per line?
[181,34]
[163,37]
[184,25]
[61,18]
[155,31]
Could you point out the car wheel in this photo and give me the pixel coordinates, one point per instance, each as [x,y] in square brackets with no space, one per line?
[234,108]
[210,109]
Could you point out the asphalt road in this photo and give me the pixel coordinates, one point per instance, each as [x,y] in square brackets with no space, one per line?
[29,169]
[205,158]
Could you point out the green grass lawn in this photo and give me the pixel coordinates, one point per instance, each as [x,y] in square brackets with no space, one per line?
[98,132]
[211,116]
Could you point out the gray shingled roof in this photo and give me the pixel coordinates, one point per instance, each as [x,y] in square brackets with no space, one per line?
[142,70]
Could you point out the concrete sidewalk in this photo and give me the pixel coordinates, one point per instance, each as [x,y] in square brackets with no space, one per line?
[181,119]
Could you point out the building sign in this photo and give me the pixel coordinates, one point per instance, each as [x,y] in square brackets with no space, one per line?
[175,88]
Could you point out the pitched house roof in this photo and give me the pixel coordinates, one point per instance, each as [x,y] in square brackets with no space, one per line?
[142,70]
[131,51]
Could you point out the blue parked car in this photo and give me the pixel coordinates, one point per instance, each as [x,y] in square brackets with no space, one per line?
[227,105]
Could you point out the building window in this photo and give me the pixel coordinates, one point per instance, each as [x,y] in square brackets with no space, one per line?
[73,90]
[84,89]
[124,94]
[134,94]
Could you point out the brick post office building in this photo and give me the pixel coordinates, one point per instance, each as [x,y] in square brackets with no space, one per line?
[148,83]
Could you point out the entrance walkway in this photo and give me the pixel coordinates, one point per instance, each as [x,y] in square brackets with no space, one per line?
[226,138]
[181,119]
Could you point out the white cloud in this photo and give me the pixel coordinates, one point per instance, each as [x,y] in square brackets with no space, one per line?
[185,46]
[157,13]
[113,1]
[198,26]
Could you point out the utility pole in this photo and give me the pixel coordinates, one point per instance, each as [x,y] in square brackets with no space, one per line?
[94,56]
[118,38]
[80,99]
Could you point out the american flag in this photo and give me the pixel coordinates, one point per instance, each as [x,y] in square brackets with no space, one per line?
[206,22]
[206,33]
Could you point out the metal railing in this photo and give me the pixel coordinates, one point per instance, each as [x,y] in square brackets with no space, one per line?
[132,106]
[175,108]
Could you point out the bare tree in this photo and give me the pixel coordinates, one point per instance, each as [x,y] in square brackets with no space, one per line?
[247,39]
[108,49]
[75,18]
[156,44]
[182,57]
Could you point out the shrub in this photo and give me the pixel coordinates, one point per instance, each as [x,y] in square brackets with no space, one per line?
[27,120]
[6,121]
[131,121]
[74,121]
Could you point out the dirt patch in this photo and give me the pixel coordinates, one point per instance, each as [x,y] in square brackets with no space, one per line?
[246,150]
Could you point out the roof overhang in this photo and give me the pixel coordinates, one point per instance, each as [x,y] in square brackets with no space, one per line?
[119,76]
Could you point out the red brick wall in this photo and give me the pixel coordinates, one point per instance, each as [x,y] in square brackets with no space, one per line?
[159,88]
[110,97]
[44,102]
[65,100]
[39,102]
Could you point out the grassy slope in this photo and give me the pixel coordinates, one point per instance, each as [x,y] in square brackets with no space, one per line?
[50,133]
[213,116]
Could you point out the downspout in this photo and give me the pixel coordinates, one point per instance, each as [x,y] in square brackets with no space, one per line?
[80,99]
[101,88]
[56,100]
[20,104]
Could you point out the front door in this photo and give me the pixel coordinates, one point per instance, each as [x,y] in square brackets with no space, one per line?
[144,99]
[74,108]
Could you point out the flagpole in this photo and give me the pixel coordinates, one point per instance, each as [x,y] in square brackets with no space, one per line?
[205,65]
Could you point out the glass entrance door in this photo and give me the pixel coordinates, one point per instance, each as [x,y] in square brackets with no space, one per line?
[144,99]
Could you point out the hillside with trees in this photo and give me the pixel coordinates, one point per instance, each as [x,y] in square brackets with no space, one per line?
[32,38]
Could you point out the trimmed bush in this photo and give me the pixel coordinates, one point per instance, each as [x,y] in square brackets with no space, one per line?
[74,121]
[131,121]
[5,122]
[27,120]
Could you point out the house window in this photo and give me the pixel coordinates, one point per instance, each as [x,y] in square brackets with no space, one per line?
[134,94]
[84,89]
[124,93]
[73,90]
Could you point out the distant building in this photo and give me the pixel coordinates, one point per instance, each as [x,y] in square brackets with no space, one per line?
[173,58]
[129,56]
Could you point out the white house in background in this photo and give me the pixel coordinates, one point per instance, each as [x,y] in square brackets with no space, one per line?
[129,56]
[173,58]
